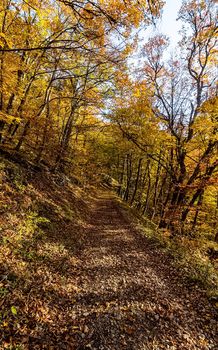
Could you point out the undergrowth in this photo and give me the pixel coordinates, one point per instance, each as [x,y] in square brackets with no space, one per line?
[190,254]
[37,213]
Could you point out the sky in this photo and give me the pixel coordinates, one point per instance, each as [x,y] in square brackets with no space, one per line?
[168,25]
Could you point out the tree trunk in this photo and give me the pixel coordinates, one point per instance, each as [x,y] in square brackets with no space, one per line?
[148,191]
[200,200]
[23,136]
[137,180]
[143,184]
[66,135]
[44,137]
[119,191]
[156,186]
[129,176]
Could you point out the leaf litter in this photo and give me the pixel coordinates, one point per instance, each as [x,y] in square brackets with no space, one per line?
[87,278]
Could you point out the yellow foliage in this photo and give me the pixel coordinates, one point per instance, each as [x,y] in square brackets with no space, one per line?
[8,118]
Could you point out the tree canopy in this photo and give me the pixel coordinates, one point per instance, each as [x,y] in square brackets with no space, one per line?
[70,101]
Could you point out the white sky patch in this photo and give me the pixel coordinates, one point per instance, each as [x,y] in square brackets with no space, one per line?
[167,25]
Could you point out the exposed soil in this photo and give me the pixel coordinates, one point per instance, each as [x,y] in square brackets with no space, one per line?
[112,289]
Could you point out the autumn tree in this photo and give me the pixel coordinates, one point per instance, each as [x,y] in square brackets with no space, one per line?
[65,56]
[181,162]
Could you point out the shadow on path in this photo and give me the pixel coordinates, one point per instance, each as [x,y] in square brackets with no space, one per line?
[112,290]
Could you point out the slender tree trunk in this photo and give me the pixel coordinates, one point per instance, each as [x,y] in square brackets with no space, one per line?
[2,123]
[148,191]
[119,192]
[137,180]
[200,200]
[67,131]
[156,186]
[163,222]
[23,136]
[192,201]
[160,195]
[129,176]
[44,137]
[205,178]
[143,185]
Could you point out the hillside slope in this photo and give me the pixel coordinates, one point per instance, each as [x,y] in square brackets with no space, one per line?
[77,274]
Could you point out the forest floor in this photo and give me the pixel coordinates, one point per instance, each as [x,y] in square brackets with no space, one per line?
[96,284]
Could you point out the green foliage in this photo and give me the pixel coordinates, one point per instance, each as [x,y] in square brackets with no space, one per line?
[14,310]
[3,292]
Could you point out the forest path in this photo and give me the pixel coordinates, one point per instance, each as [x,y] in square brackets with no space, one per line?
[129,296]
[92,280]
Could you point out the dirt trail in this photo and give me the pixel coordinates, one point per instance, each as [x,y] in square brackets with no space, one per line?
[94,281]
[129,297]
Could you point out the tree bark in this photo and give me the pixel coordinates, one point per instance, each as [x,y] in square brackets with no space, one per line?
[136,181]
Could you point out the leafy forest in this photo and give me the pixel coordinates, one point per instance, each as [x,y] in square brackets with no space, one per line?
[89,101]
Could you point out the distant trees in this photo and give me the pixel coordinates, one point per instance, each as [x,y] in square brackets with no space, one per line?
[180,150]
[68,100]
